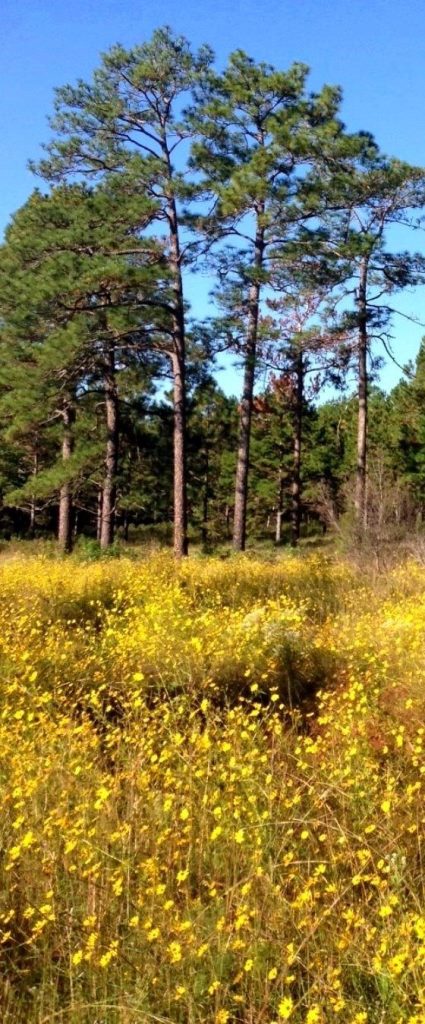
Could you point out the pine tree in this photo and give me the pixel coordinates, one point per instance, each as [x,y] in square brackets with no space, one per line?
[129,120]
[261,135]
[212,434]
[370,195]
[76,287]
[408,428]
[304,356]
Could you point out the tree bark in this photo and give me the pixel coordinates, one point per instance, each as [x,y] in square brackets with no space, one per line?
[279,508]
[178,362]
[298,426]
[99,514]
[179,447]
[31,531]
[65,497]
[111,458]
[362,428]
[125,526]
[205,500]
[245,419]
[227,521]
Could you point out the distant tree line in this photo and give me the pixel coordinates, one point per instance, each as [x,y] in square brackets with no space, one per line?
[161,170]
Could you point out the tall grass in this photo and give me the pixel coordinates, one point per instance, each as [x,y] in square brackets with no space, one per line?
[212,790]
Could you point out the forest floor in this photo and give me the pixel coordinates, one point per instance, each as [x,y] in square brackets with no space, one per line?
[212,781]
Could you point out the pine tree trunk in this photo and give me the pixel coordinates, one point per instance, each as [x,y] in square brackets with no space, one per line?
[178,361]
[179,446]
[111,459]
[362,429]
[204,530]
[279,509]
[31,528]
[125,526]
[242,464]
[31,531]
[65,497]
[227,521]
[179,425]
[298,425]
[99,514]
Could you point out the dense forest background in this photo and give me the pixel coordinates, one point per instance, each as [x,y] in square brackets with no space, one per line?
[159,171]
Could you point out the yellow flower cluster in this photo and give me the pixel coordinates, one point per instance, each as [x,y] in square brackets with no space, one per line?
[212,791]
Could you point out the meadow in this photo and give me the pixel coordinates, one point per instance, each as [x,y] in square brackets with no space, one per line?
[212,781]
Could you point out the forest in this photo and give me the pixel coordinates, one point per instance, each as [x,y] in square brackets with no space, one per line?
[163,175]
[211,767]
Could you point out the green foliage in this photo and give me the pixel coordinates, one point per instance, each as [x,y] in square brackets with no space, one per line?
[161,165]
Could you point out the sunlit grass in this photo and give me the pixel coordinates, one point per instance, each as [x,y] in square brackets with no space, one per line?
[212,792]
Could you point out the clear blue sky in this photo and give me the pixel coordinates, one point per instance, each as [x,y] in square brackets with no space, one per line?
[374,49]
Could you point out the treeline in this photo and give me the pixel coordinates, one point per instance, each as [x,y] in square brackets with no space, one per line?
[162,171]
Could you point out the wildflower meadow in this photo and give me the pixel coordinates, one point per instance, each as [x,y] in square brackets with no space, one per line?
[212,781]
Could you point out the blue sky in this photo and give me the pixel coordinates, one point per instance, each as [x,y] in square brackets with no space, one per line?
[374,49]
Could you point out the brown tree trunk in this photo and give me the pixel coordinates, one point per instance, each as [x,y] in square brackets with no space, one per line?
[65,497]
[227,521]
[298,426]
[31,531]
[178,362]
[279,508]
[204,529]
[245,418]
[362,428]
[31,528]
[179,449]
[125,526]
[111,458]
[99,514]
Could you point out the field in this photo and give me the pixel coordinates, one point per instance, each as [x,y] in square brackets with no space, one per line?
[212,782]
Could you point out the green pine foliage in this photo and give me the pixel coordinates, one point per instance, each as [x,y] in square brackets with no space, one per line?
[158,168]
